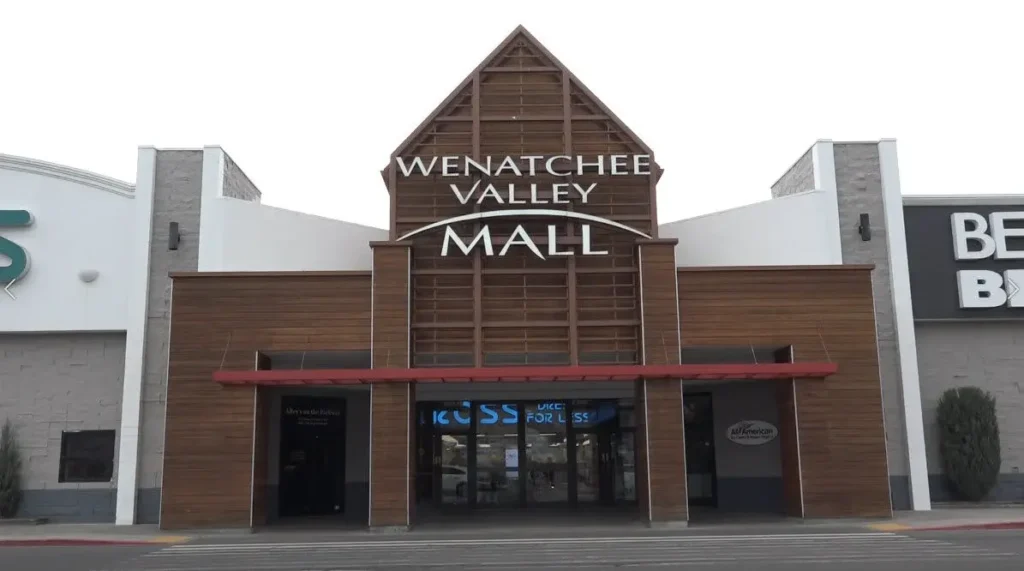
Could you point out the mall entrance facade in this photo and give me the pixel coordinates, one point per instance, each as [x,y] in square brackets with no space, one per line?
[522,278]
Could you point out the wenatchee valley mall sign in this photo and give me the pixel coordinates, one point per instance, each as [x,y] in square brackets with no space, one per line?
[14,260]
[523,198]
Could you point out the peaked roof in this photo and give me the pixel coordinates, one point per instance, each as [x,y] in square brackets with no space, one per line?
[520,33]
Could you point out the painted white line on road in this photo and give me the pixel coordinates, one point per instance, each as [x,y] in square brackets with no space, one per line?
[531,541]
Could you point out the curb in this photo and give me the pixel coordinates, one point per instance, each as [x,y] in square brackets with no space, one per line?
[974,526]
[81,542]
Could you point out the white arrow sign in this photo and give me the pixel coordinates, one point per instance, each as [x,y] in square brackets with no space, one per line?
[7,289]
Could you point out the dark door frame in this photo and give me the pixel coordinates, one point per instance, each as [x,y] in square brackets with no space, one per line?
[711,501]
[284,446]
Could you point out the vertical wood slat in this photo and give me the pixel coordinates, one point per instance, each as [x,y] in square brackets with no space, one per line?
[390,404]
[221,322]
[261,458]
[663,400]
[792,493]
[825,314]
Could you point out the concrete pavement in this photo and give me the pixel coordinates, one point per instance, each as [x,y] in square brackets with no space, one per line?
[875,551]
[1011,517]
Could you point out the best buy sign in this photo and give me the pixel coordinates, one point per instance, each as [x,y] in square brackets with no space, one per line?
[16,258]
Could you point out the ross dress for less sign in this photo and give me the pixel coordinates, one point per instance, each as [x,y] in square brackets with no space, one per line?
[966,262]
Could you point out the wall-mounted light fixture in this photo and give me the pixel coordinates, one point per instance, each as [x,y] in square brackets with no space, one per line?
[173,237]
[88,276]
[864,228]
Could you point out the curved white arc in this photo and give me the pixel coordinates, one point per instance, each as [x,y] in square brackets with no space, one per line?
[523,212]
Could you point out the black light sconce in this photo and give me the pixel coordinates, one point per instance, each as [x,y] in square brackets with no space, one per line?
[173,237]
[864,228]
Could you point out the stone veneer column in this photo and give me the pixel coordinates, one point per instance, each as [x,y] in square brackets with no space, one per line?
[663,485]
[391,404]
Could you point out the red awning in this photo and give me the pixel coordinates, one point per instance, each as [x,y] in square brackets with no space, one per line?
[525,374]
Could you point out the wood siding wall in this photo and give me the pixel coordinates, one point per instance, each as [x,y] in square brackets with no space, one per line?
[391,405]
[826,314]
[220,321]
[665,450]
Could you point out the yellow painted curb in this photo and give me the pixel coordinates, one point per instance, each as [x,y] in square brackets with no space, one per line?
[170,539]
[889,527]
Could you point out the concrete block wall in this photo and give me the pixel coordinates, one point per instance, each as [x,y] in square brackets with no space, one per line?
[237,183]
[51,383]
[177,198]
[799,177]
[859,190]
[985,354]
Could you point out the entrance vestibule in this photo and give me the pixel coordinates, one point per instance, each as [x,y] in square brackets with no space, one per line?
[515,454]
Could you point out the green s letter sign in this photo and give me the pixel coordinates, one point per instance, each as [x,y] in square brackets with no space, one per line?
[19,257]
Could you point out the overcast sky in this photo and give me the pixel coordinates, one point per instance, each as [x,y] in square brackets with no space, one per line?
[310,98]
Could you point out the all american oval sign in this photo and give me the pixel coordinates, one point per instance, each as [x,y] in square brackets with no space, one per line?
[752,432]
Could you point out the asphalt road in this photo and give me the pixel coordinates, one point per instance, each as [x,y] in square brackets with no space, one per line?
[945,551]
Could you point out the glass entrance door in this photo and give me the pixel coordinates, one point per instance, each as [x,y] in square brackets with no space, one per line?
[451,469]
[521,454]
[594,468]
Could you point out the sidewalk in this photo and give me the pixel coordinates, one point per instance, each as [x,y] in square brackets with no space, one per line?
[66,534]
[951,519]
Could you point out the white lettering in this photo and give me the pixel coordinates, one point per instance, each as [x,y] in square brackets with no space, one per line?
[484,235]
[980,289]
[641,164]
[464,198]
[549,166]
[510,164]
[560,193]
[582,164]
[534,198]
[512,195]
[553,242]
[492,192]
[1012,280]
[997,221]
[449,166]
[584,193]
[619,165]
[587,250]
[532,161]
[484,169]
[417,162]
[962,236]
[519,237]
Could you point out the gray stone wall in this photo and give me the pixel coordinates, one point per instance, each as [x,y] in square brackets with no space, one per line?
[177,198]
[237,184]
[799,177]
[859,187]
[51,383]
[985,354]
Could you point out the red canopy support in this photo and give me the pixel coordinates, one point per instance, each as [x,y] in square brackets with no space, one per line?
[526,374]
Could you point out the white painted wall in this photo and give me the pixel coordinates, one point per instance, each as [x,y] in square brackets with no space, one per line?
[237,235]
[82,221]
[787,231]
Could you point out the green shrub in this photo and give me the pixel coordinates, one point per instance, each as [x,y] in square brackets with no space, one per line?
[969,441]
[10,472]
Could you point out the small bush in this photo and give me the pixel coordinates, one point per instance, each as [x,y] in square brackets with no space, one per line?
[10,472]
[969,441]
